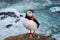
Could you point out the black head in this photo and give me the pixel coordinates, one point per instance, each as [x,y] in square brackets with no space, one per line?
[31,10]
[29,13]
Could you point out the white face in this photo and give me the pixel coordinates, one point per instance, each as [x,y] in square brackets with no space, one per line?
[29,13]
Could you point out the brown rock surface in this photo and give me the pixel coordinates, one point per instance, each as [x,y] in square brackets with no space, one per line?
[27,37]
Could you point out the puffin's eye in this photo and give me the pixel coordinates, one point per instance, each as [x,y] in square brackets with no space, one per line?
[29,12]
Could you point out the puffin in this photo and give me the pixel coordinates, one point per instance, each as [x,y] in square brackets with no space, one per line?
[30,22]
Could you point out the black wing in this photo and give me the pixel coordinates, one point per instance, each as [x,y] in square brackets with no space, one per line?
[37,22]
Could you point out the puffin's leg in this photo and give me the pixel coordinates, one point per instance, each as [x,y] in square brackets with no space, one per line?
[30,32]
[33,33]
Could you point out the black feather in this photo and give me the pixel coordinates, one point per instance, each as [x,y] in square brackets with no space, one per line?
[33,20]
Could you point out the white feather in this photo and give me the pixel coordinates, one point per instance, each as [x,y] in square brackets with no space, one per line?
[29,24]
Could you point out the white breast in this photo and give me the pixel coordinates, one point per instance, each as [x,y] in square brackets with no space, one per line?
[30,24]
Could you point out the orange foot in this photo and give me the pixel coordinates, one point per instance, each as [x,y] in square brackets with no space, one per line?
[31,33]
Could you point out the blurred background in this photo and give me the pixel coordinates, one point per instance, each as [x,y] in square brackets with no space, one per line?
[47,12]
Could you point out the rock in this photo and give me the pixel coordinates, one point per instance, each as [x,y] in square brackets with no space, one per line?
[6,14]
[11,38]
[3,17]
[21,15]
[27,37]
[17,20]
[9,25]
[12,14]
